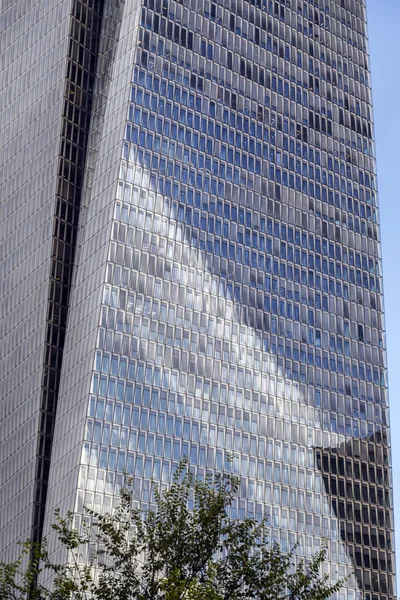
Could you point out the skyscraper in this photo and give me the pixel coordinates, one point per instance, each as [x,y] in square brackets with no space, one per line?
[191,267]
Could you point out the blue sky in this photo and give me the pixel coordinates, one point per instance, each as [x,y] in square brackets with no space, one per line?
[384,38]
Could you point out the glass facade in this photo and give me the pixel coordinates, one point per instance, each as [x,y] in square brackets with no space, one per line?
[32,89]
[242,313]
[240,307]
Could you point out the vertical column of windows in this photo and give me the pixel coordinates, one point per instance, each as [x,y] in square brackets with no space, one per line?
[81,63]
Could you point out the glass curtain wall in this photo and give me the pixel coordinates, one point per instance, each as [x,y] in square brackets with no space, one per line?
[242,311]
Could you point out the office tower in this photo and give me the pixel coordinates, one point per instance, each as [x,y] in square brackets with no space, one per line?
[192,267]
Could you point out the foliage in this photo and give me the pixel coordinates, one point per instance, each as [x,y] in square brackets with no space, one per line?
[186,548]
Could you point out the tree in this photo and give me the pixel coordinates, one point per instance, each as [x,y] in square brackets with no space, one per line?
[186,548]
